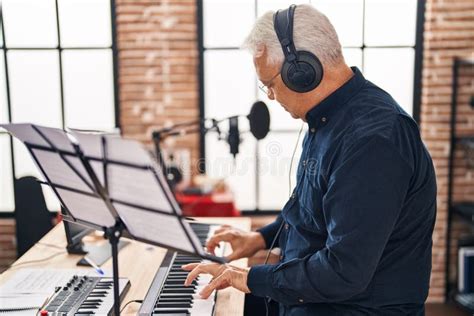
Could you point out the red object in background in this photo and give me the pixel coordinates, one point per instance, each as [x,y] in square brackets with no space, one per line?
[207,205]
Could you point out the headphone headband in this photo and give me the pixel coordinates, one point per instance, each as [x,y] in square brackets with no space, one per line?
[283,24]
[301,70]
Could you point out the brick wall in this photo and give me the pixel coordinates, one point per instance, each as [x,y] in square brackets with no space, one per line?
[449,32]
[158,67]
[7,243]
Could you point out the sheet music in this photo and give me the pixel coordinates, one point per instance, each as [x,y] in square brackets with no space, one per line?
[136,186]
[155,227]
[142,187]
[57,137]
[86,208]
[128,151]
[25,133]
[39,281]
[60,173]
[91,146]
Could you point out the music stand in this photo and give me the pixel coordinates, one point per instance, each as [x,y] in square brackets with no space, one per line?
[111,184]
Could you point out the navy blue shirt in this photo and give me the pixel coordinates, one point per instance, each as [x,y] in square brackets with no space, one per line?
[357,230]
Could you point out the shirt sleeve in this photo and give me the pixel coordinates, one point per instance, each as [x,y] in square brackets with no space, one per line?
[269,231]
[362,203]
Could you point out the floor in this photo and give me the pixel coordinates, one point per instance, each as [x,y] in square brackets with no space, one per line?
[440,309]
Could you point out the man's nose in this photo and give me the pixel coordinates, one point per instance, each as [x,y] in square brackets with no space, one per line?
[270,94]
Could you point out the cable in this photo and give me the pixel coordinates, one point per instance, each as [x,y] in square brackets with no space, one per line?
[282,222]
[289,194]
[39,260]
[50,245]
[292,158]
[129,302]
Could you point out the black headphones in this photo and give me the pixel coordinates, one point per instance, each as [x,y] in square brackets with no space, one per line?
[301,71]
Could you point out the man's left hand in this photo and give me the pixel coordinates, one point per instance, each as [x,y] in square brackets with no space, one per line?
[224,275]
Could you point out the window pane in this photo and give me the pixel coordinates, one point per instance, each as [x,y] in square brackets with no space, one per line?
[275,152]
[25,166]
[229,84]
[353,57]
[383,25]
[1,36]
[75,33]
[222,29]
[30,23]
[346,16]
[280,119]
[396,76]
[88,88]
[241,178]
[34,87]
[274,5]
[7,200]
[3,91]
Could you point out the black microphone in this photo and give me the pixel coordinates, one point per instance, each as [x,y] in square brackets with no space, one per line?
[259,119]
[234,136]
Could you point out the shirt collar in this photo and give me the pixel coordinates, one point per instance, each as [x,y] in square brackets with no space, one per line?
[321,113]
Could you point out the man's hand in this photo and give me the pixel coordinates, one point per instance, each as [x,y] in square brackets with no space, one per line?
[223,276]
[244,244]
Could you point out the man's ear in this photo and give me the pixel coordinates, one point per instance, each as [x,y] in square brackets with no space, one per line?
[260,51]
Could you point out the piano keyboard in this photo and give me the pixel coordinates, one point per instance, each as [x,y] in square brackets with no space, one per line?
[85,295]
[167,295]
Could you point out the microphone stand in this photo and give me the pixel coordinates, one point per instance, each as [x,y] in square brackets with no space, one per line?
[181,129]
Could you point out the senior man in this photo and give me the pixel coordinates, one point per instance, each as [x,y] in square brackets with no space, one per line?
[356,234]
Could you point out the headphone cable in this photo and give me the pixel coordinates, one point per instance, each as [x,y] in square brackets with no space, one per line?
[282,222]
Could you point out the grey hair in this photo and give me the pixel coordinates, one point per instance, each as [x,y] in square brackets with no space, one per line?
[312,31]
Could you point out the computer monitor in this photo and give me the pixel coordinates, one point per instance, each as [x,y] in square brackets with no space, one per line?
[99,254]
[74,235]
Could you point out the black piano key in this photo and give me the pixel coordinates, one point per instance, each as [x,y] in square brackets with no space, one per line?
[166,310]
[179,281]
[174,305]
[171,286]
[188,291]
[93,300]
[175,300]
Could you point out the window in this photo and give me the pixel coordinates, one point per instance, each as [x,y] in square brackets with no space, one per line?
[373,39]
[56,67]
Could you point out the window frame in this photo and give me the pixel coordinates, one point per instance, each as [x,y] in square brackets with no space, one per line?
[113,48]
[418,63]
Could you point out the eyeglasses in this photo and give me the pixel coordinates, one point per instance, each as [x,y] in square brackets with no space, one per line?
[264,86]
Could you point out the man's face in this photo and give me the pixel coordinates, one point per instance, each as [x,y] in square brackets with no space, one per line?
[269,75]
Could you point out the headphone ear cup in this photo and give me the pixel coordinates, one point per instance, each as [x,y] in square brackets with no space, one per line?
[304,77]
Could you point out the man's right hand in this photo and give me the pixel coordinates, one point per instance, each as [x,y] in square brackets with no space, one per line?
[244,244]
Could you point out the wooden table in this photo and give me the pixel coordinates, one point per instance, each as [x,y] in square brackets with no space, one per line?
[137,261]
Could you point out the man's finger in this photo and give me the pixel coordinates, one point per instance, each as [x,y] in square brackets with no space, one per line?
[222,229]
[189,266]
[233,256]
[212,248]
[216,239]
[218,282]
[193,274]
